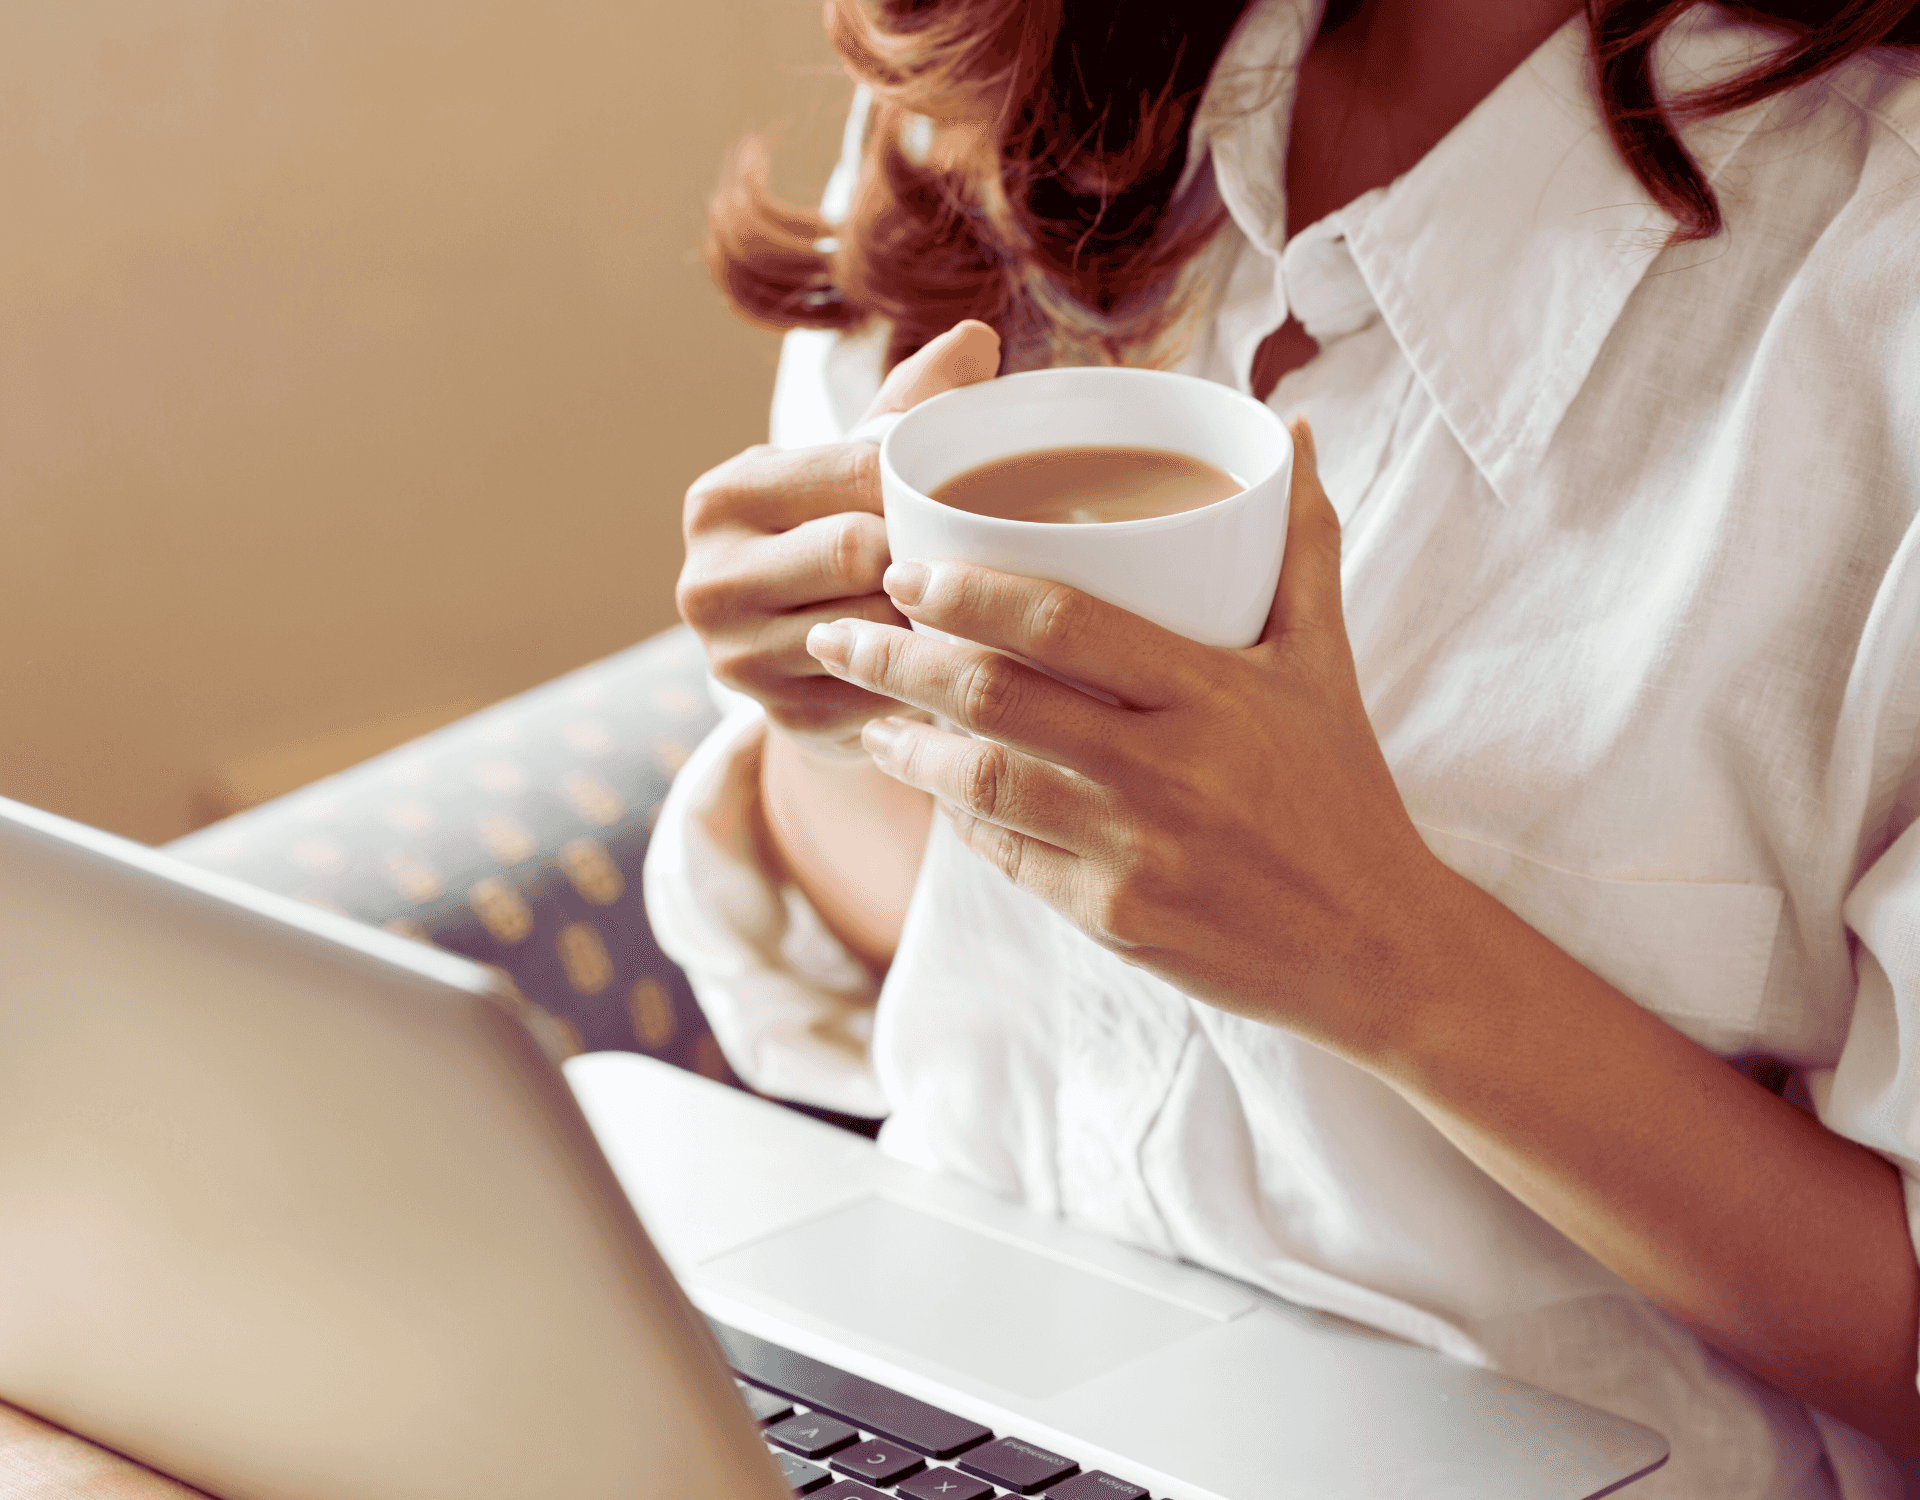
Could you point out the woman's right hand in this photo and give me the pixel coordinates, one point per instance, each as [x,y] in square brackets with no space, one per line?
[779,541]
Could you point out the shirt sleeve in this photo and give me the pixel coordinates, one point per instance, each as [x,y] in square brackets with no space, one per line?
[790,1006]
[1872,1093]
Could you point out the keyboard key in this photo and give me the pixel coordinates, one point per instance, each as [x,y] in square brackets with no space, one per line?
[1096,1484]
[766,1406]
[812,1434]
[846,1489]
[1017,1466]
[804,1477]
[871,1406]
[878,1462]
[946,1484]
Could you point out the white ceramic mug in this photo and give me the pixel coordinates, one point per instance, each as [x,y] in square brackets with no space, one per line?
[1208,573]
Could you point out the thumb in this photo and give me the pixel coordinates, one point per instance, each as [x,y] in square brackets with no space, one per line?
[1308,597]
[965,354]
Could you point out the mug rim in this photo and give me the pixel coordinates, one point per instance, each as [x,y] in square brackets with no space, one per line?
[1098,372]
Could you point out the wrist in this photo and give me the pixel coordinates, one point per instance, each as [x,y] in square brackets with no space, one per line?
[847,834]
[1411,970]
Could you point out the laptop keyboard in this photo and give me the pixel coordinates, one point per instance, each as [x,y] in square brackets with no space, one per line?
[841,1437]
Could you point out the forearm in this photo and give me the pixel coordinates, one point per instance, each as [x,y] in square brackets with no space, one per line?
[1231,825]
[848,835]
[1781,1244]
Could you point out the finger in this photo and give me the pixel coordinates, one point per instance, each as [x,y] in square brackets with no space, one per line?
[981,691]
[728,581]
[966,354]
[989,781]
[826,711]
[768,658]
[833,557]
[785,636]
[1030,863]
[772,489]
[1308,597]
[1138,662]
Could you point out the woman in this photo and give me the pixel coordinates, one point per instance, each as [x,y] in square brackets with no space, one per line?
[1513,950]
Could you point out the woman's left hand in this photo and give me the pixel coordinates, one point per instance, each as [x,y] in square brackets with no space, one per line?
[1231,826]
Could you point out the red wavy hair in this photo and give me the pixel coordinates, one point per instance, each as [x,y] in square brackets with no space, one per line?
[1042,202]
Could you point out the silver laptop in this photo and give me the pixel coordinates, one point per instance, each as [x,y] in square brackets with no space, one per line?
[291,1208]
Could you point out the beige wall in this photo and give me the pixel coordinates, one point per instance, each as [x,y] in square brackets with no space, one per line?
[353,359]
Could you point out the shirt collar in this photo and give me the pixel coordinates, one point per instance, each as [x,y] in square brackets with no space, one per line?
[1244,117]
[1501,261]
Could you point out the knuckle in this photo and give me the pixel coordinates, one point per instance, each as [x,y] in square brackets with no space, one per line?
[1155,862]
[711,593]
[717,494]
[863,465]
[989,691]
[736,666]
[873,656]
[1114,915]
[1059,620]
[1329,542]
[1127,900]
[986,785]
[857,552]
[700,599]
[1321,534]
[1005,851]
[1009,855]
[709,500]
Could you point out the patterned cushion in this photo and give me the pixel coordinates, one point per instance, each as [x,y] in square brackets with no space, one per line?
[515,837]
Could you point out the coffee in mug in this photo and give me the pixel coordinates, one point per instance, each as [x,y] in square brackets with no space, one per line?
[1206,570]
[1087,486]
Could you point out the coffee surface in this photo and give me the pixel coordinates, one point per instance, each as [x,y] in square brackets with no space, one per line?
[1088,485]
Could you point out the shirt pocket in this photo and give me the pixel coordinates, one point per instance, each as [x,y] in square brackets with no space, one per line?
[1696,953]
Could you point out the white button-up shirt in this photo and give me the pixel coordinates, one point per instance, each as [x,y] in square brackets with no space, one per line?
[1632,578]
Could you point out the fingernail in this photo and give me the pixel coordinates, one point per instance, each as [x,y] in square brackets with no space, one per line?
[881,735]
[905,582]
[830,645]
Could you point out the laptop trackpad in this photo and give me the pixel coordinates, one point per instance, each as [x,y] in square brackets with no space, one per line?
[953,1296]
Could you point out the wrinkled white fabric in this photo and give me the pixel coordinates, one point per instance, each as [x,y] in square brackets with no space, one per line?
[1632,577]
